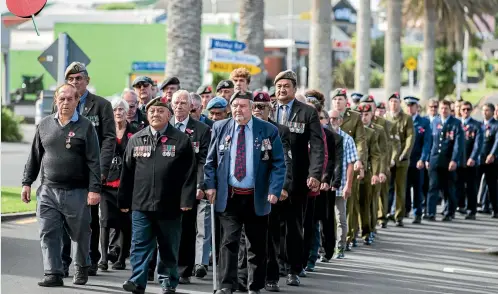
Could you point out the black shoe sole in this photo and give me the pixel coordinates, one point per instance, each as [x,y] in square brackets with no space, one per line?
[41,284]
[76,282]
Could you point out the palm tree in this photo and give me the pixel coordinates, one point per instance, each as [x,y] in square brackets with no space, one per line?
[392,45]
[428,76]
[183,58]
[252,32]
[363,47]
[320,55]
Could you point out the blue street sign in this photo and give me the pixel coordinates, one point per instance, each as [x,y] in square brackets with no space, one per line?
[227,44]
[148,66]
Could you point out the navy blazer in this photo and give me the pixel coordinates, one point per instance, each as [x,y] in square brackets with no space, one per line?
[423,139]
[447,142]
[269,175]
[490,141]
[473,131]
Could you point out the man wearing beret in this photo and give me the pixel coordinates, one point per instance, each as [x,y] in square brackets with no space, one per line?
[352,125]
[143,87]
[158,185]
[99,111]
[244,174]
[168,87]
[403,123]
[307,149]
[381,109]
[355,99]
[206,93]
[226,89]
[217,108]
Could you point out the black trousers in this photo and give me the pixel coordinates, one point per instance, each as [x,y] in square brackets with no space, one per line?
[440,179]
[123,243]
[186,255]
[240,213]
[275,246]
[328,221]
[94,240]
[466,188]
[242,261]
[115,239]
[292,214]
[309,230]
[491,174]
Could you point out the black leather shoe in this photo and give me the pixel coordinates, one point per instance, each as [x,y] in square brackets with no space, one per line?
[113,256]
[133,288]
[103,266]
[169,290]
[272,287]
[383,225]
[417,220]
[224,291]
[150,275]
[200,271]
[399,223]
[355,243]
[349,246]
[447,218]
[485,211]
[390,217]
[367,241]
[462,210]
[66,273]
[254,292]
[302,274]
[184,281]
[80,276]
[51,281]
[293,280]
[471,216]
[119,265]
[92,270]
[495,215]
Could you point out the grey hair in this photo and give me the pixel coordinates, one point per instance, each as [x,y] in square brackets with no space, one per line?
[129,91]
[183,92]
[116,102]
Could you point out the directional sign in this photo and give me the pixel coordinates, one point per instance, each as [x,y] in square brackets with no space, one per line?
[411,63]
[49,58]
[229,67]
[227,45]
[229,57]
[148,66]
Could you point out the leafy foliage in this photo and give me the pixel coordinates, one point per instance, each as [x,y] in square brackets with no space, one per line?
[217,78]
[343,76]
[10,126]
[491,80]
[445,75]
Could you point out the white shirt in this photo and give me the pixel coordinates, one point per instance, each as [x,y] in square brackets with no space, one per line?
[184,124]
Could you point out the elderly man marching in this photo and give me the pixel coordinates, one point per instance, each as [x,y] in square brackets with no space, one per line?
[244,175]
[67,147]
[158,183]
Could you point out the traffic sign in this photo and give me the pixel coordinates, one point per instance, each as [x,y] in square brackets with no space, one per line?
[411,63]
[229,57]
[227,45]
[148,66]
[226,67]
[50,57]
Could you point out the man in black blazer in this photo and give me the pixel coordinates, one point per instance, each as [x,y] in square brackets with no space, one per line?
[307,153]
[99,111]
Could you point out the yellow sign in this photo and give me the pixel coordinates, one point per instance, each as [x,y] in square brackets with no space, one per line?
[411,63]
[229,67]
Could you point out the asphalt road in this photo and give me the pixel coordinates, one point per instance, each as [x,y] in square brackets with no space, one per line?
[429,258]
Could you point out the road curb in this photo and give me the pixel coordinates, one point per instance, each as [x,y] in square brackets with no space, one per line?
[492,251]
[14,216]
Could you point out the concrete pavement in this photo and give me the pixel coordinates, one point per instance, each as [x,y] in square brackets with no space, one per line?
[429,258]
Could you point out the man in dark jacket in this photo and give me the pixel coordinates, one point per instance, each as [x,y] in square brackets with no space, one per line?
[158,184]
[99,111]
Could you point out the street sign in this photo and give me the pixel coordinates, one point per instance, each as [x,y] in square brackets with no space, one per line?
[229,67]
[411,63]
[229,57]
[50,57]
[227,45]
[148,66]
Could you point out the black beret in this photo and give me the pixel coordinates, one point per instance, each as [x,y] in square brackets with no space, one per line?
[394,95]
[287,75]
[225,84]
[367,99]
[169,81]
[206,89]
[158,102]
[241,95]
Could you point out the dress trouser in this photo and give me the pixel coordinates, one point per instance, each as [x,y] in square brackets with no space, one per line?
[151,230]
[414,180]
[374,206]
[440,179]
[240,213]
[203,237]
[397,190]
[94,240]
[292,214]
[309,226]
[466,189]
[352,209]
[324,219]
[490,171]
[384,207]
[365,201]
[56,208]
[274,247]
[186,255]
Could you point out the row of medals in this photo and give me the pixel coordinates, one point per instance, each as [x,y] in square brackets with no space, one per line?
[142,151]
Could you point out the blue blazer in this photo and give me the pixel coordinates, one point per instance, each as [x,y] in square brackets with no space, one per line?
[423,139]
[490,141]
[269,175]
[473,131]
[447,142]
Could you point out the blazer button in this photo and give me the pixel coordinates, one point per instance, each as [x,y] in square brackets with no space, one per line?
[439,151]
[440,145]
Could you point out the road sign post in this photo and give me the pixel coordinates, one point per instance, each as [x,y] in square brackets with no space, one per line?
[61,58]
[411,81]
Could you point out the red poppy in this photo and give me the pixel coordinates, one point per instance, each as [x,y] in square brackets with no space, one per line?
[164,139]
[129,135]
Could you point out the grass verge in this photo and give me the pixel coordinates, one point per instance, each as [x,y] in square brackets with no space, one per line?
[11,200]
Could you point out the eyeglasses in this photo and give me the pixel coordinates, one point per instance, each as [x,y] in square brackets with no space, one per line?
[259,106]
[433,106]
[465,109]
[140,85]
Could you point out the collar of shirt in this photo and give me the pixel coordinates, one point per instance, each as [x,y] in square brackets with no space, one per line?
[414,117]
[74,117]
[153,132]
[247,128]
[184,123]
[466,120]
[288,104]
[444,120]
[81,104]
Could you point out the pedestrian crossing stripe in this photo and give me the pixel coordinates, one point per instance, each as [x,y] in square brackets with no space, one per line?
[26,221]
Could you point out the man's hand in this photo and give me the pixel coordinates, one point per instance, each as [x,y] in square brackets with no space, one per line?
[392,163]
[346,192]
[125,210]
[490,159]
[186,208]
[272,198]
[382,178]
[103,179]
[361,174]
[471,162]
[452,166]
[420,164]
[211,195]
[358,165]
[283,195]
[26,194]
[375,180]
[324,187]
[427,165]
[200,194]
[93,198]
[313,184]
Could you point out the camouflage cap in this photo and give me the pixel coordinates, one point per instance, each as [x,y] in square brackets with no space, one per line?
[287,75]
[367,99]
[225,84]
[241,95]
[74,68]
[158,102]
[205,89]
[356,97]
[340,92]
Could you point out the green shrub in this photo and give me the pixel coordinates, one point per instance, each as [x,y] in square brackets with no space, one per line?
[343,75]
[444,73]
[376,79]
[10,126]
[217,78]
[491,80]
[116,6]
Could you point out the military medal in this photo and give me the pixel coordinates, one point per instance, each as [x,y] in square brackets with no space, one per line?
[163,147]
[68,139]
[195,145]
[68,145]
[173,151]
[222,147]
[149,150]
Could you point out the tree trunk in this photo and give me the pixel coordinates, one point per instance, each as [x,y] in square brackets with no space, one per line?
[428,80]
[183,59]
[320,55]
[392,45]
[459,38]
[363,47]
[252,32]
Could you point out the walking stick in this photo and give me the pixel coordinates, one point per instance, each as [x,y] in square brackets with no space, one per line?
[213,250]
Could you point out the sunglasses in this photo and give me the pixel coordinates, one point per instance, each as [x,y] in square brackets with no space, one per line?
[259,106]
[193,110]
[140,85]
[433,106]
[465,109]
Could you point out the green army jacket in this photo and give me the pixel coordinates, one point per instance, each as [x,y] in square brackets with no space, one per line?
[352,125]
[403,126]
[374,159]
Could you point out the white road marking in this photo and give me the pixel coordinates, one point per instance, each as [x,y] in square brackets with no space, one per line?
[26,221]
[462,270]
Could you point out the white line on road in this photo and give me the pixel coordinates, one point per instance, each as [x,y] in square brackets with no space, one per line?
[462,270]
